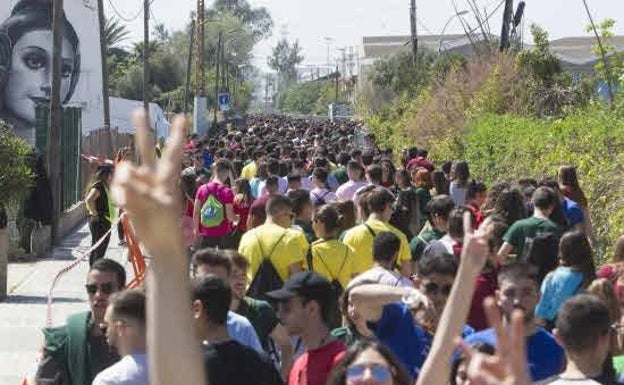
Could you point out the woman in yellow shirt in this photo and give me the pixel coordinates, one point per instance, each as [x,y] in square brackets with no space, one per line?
[328,256]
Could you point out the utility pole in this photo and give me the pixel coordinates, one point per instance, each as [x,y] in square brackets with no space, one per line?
[189,63]
[146,74]
[105,95]
[214,119]
[506,30]
[414,32]
[54,133]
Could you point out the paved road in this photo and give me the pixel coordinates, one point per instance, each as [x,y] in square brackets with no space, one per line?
[24,313]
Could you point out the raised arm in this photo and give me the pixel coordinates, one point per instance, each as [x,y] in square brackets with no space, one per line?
[150,196]
[369,300]
[437,367]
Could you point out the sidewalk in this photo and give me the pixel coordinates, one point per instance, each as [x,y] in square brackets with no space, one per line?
[23,314]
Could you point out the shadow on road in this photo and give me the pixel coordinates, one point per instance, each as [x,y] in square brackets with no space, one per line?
[35,299]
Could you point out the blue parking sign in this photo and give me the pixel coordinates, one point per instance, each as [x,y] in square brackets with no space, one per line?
[224,101]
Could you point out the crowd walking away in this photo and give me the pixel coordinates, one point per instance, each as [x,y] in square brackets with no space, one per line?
[289,251]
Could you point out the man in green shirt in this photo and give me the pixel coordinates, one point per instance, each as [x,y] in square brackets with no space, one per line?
[515,240]
[437,212]
[271,333]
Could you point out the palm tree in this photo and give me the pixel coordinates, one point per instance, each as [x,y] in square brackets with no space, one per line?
[114,32]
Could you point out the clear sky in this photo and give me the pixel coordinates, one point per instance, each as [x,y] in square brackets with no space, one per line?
[347,21]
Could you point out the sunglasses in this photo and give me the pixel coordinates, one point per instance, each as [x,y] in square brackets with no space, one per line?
[106,288]
[379,372]
[434,288]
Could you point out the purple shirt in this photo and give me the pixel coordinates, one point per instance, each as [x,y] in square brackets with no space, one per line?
[346,192]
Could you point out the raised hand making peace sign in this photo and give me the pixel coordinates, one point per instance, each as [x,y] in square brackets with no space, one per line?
[149,194]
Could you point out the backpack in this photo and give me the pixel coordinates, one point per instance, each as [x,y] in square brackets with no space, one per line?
[266,278]
[320,201]
[213,211]
[337,288]
[542,252]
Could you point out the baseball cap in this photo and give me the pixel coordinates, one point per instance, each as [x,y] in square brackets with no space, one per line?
[307,284]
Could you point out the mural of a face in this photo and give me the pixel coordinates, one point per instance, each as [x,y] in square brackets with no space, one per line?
[30,78]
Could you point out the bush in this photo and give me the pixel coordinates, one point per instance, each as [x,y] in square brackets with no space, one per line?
[507,148]
[15,175]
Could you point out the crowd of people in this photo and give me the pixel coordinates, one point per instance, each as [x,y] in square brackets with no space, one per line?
[283,253]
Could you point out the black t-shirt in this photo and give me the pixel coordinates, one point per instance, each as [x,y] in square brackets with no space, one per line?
[231,363]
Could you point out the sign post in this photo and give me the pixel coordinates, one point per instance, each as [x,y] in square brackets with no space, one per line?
[224,101]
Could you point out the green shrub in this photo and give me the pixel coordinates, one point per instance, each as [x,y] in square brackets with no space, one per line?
[507,148]
[15,175]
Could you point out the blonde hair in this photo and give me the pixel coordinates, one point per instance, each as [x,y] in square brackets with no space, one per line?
[603,289]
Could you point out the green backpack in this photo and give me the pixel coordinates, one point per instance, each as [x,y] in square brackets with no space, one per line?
[212,212]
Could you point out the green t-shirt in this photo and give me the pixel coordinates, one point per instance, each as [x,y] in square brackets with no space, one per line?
[618,365]
[528,228]
[341,175]
[347,334]
[261,316]
[418,243]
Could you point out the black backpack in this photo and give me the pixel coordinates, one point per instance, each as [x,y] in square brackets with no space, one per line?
[320,201]
[266,278]
[542,252]
[338,290]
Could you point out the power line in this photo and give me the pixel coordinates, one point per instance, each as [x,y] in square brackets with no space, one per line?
[124,18]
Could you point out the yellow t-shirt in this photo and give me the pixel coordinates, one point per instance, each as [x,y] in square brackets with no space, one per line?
[333,260]
[249,171]
[360,240]
[258,243]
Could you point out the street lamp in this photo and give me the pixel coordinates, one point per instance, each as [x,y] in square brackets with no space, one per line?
[458,14]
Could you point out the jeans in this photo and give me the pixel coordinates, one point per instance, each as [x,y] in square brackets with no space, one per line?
[98,227]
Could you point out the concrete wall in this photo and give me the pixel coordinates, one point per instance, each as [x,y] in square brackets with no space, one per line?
[71,219]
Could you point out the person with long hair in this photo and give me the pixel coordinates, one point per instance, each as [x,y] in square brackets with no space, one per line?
[242,203]
[387,173]
[26,38]
[440,183]
[123,154]
[423,184]
[327,255]
[575,273]
[100,206]
[460,175]
[567,179]
[188,187]
[475,199]
[604,290]
[369,362]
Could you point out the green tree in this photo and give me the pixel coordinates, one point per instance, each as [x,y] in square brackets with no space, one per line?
[397,73]
[15,176]
[284,59]
[614,68]
[539,61]
[258,20]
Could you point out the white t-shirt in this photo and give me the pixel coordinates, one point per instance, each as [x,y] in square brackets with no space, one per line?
[130,370]
[382,276]
[557,380]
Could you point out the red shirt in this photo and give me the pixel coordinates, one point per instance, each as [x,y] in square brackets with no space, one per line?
[314,366]
[486,287]
[242,209]
[258,210]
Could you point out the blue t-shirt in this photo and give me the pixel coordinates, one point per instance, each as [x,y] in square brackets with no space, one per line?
[544,355]
[572,212]
[398,332]
[240,329]
[559,285]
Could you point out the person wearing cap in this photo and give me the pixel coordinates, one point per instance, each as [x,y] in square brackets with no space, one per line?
[306,303]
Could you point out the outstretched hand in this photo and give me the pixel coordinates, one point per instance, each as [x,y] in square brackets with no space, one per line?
[475,250]
[149,192]
[509,365]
